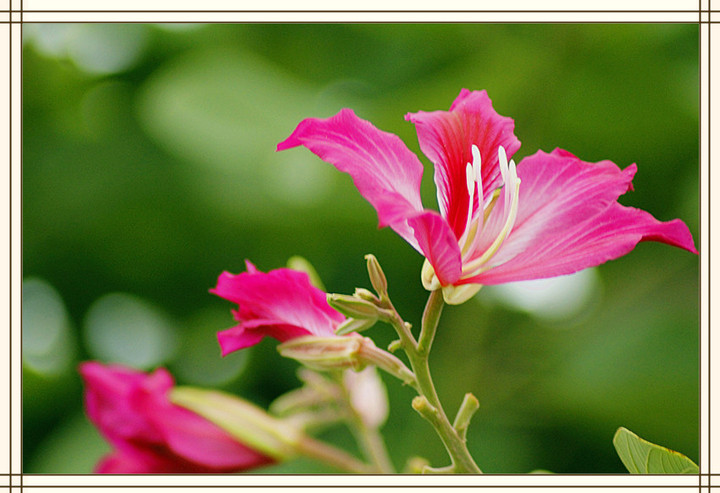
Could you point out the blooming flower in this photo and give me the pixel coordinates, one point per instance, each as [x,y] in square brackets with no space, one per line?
[282,304]
[552,214]
[152,435]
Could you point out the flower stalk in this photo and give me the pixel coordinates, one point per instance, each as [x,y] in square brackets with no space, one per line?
[427,403]
[365,428]
[324,452]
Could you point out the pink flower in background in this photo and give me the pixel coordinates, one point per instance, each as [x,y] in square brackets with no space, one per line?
[152,435]
[282,304]
[552,214]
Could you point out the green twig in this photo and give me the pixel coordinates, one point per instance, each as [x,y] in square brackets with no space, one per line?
[428,403]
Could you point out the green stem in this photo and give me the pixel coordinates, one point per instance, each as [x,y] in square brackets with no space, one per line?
[428,404]
[430,320]
[336,457]
[373,446]
[368,437]
[389,363]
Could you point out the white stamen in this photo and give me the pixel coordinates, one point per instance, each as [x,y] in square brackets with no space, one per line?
[469,178]
[473,178]
[476,266]
[502,158]
[476,163]
[471,197]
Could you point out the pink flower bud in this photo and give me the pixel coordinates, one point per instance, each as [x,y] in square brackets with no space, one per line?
[150,434]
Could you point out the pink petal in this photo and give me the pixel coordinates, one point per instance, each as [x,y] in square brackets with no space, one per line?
[251,332]
[126,463]
[151,434]
[130,461]
[383,169]
[108,404]
[194,439]
[446,138]
[568,220]
[282,304]
[438,244]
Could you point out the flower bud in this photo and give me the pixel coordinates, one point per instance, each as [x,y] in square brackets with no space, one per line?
[301,264]
[368,396]
[354,325]
[365,294]
[324,353]
[350,306]
[377,276]
[244,421]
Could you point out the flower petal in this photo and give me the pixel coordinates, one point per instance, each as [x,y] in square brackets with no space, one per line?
[282,302]
[197,440]
[129,462]
[108,391]
[251,332]
[568,219]
[383,169]
[446,138]
[437,242]
[152,435]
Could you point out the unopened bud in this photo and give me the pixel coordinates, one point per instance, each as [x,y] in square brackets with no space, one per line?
[301,264]
[377,276]
[350,306]
[416,465]
[244,421]
[365,294]
[368,396]
[351,325]
[324,353]
[395,345]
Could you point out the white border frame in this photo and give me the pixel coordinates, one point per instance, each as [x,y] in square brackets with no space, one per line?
[16,12]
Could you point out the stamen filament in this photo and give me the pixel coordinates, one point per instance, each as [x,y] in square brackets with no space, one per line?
[471,196]
[470,267]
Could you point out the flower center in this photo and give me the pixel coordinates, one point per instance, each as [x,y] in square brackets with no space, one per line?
[490,223]
[487,226]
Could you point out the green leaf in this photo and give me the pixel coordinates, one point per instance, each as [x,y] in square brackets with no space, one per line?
[643,457]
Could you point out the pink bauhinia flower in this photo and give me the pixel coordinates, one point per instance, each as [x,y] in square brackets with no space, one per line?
[150,434]
[282,304]
[552,214]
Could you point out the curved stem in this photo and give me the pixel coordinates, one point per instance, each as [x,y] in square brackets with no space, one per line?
[336,457]
[428,403]
[374,447]
[366,433]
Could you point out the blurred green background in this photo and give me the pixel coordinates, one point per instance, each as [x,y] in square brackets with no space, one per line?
[150,167]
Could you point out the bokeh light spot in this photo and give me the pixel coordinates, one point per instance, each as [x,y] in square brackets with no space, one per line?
[123,328]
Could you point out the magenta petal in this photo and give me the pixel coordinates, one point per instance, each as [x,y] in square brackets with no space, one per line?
[196,440]
[282,298]
[251,332]
[201,442]
[127,463]
[152,435]
[108,391]
[568,219]
[383,169]
[446,138]
[438,244]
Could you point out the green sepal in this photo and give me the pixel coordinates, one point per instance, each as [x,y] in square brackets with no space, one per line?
[351,325]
